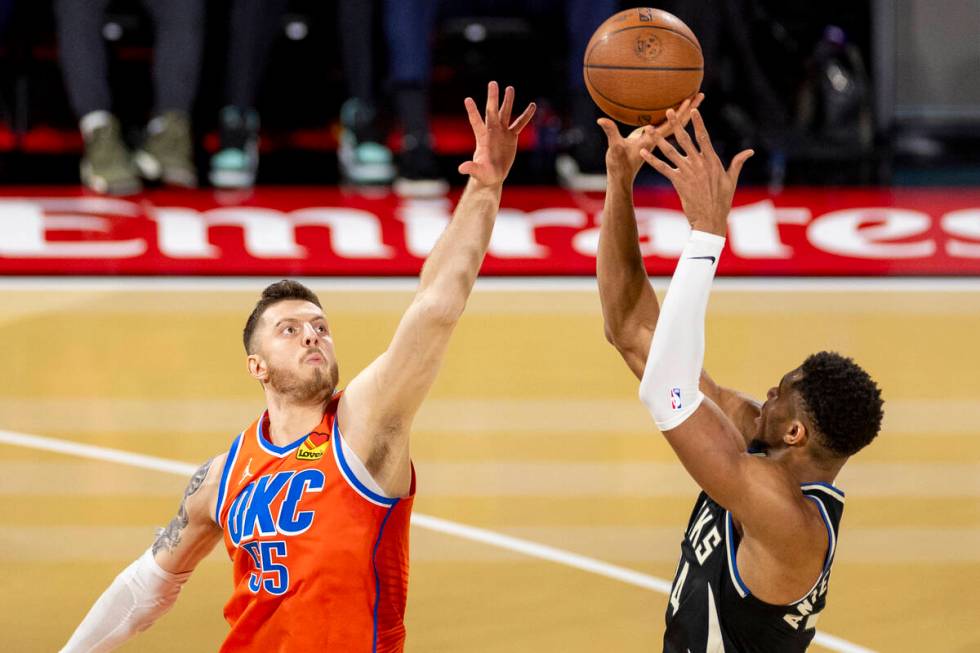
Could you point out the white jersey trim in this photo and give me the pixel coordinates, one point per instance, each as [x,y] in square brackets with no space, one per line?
[826,489]
[353,470]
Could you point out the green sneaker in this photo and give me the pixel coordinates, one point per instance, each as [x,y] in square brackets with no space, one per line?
[167,153]
[363,159]
[107,166]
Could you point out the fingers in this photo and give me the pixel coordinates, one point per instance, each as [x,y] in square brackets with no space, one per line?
[508,104]
[609,127]
[736,166]
[696,102]
[657,164]
[466,167]
[522,120]
[493,103]
[668,151]
[701,133]
[476,122]
[680,133]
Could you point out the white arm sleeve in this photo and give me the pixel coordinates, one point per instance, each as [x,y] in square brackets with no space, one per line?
[138,596]
[670,386]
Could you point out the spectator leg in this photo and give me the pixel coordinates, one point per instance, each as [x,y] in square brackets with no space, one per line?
[83,54]
[178,52]
[253,27]
[409,25]
[355,18]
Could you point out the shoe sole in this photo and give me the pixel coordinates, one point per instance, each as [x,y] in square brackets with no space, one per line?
[369,174]
[148,165]
[101,185]
[231,178]
[420,187]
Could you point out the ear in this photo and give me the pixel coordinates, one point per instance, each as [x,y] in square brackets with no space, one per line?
[257,367]
[796,434]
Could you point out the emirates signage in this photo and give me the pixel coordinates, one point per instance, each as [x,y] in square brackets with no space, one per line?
[539,231]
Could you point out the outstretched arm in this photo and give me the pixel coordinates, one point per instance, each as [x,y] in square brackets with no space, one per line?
[148,588]
[763,498]
[380,403]
[629,305]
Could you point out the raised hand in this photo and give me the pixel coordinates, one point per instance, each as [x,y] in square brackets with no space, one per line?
[706,189]
[496,136]
[623,154]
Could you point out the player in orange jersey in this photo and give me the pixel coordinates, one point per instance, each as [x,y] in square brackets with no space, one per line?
[313,499]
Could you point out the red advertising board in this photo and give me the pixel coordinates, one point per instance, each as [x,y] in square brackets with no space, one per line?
[307,231]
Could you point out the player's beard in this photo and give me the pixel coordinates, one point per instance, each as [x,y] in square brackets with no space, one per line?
[316,389]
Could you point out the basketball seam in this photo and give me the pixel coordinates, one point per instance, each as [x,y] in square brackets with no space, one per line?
[676,68]
[588,79]
[605,37]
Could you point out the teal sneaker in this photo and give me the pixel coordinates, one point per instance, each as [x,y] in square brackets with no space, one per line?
[236,163]
[363,159]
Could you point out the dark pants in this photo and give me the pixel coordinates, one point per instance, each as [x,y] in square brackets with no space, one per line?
[409,25]
[179,30]
[254,25]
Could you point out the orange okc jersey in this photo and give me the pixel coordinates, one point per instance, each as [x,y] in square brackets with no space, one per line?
[320,560]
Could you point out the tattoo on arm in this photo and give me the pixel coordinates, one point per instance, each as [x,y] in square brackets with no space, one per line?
[169,537]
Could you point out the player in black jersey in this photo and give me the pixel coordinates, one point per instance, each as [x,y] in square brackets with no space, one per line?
[757,552]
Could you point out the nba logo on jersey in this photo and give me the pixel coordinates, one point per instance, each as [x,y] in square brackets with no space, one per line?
[313,447]
[675,398]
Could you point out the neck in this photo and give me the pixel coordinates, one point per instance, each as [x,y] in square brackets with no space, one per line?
[806,470]
[289,420]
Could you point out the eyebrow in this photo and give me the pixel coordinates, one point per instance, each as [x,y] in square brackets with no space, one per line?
[293,319]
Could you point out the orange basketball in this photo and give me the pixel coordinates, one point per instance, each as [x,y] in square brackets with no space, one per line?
[641,62]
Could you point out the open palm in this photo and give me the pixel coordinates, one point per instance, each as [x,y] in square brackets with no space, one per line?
[496,136]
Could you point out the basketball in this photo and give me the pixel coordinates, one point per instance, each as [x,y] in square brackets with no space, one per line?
[641,62]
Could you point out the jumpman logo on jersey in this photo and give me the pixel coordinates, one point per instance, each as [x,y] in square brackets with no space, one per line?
[246,472]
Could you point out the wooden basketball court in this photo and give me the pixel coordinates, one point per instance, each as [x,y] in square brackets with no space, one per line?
[533,431]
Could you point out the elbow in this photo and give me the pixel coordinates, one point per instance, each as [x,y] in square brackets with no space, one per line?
[441,311]
[617,334]
[610,334]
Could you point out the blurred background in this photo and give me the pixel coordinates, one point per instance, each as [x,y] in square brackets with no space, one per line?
[369,92]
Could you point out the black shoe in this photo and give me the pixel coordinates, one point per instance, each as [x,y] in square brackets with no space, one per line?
[418,171]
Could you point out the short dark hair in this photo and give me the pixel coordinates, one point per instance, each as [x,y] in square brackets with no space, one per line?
[842,401]
[280,291]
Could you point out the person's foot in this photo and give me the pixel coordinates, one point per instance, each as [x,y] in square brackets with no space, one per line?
[167,153]
[106,165]
[418,171]
[363,159]
[237,160]
[582,166]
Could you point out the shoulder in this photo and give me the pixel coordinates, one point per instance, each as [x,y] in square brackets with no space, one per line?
[201,493]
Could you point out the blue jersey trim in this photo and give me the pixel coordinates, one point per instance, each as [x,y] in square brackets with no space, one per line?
[273,449]
[351,477]
[377,578]
[831,537]
[732,559]
[229,463]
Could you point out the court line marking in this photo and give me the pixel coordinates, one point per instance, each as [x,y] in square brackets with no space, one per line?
[436,524]
[488,284]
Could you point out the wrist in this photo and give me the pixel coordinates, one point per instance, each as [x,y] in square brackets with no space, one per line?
[476,186]
[620,177]
[717,230]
